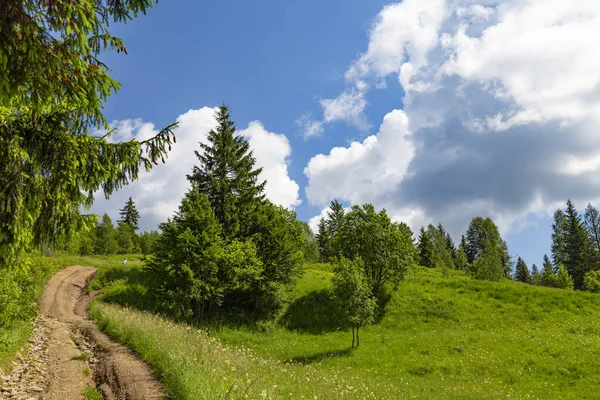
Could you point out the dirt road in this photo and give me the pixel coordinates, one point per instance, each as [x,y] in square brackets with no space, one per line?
[68,354]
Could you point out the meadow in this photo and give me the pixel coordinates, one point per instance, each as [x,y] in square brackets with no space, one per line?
[437,337]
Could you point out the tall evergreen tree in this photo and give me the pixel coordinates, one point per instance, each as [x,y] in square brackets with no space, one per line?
[522,272]
[536,276]
[328,229]
[426,250]
[559,234]
[591,219]
[439,240]
[130,215]
[576,246]
[226,175]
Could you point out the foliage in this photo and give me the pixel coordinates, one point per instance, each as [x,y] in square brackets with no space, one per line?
[522,272]
[353,294]
[559,233]
[147,241]
[130,215]
[226,175]
[52,91]
[577,246]
[105,241]
[591,281]
[428,257]
[126,239]
[310,246]
[483,241]
[385,247]
[563,279]
[328,229]
[195,271]
[548,273]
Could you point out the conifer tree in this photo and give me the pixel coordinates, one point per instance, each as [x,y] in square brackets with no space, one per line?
[227,176]
[130,215]
[328,229]
[426,250]
[559,234]
[547,275]
[562,279]
[522,272]
[576,246]
[591,219]
[536,277]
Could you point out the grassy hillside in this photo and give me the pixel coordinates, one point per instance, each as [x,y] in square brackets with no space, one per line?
[439,338]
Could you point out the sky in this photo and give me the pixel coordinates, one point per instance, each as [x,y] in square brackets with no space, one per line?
[436,110]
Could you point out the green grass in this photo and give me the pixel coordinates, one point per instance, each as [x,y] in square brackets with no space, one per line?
[91,393]
[439,338]
[82,357]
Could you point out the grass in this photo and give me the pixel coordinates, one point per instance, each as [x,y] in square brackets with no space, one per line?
[82,357]
[439,338]
[91,393]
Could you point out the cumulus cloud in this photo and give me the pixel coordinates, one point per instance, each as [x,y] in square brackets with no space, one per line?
[157,194]
[501,101]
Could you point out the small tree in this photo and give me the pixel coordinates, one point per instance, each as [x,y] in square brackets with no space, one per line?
[522,272]
[591,281]
[130,215]
[536,276]
[147,241]
[352,291]
[386,248]
[547,277]
[563,280]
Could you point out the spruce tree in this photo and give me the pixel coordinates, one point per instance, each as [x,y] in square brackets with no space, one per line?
[227,176]
[547,275]
[522,272]
[536,277]
[105,237]
[130,215]
[559,233]
[576,246]
[328,229]
[426,250]
[591,219]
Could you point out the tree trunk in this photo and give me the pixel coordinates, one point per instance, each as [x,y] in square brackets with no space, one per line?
[357,337]
[352,336]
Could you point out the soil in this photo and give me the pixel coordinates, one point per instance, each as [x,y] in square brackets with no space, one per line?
[68,353]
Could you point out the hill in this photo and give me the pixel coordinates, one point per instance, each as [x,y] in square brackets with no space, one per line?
[438,338]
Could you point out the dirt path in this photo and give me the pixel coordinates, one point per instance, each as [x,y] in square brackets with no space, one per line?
[69,354]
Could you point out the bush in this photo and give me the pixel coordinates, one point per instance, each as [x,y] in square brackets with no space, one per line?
[591,281]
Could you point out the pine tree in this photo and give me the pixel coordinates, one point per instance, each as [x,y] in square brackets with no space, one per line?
[547,275]
[439,240]
[522,272]
[328,229]
[130,215]
[461,261]
[426,250]
[591,219]
[559,233]
[536,277]
[562,279]
[576,246]
[226,175]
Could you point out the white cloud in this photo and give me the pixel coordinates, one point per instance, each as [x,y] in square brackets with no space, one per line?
[309,127]
[348,106]
[272,152]
[364,169]
[158,193]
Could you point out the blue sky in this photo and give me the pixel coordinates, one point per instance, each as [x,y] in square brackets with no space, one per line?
[437,110]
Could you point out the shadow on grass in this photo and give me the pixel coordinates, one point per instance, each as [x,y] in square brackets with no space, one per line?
[313,358]
[315,312]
